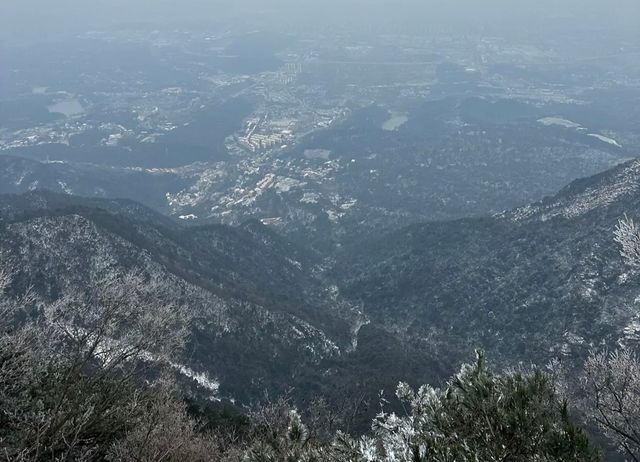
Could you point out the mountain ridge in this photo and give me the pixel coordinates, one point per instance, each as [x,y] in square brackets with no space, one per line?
[529,285]
[535,285]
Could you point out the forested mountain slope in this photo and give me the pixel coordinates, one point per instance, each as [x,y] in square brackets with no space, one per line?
[530,284]
[259,313]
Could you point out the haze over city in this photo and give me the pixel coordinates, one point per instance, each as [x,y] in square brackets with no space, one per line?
[328,231]
[32,18]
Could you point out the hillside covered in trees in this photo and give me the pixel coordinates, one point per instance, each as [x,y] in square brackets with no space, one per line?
[128,336]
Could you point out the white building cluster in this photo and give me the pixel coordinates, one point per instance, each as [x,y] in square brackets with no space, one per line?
[257,138]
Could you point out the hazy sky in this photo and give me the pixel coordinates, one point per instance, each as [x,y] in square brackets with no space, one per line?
[49,18]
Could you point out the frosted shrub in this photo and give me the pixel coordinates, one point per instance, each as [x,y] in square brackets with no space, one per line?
[478,416]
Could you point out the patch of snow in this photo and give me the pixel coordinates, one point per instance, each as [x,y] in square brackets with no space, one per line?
[150,138]
[295,263]
[65,188]
[605,139]
[212,385]
[558,121]
[274,221]
[355,330]
[574,339]
[632,330]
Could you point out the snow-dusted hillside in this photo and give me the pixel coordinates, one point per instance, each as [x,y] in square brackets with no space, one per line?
[529,285]
[583,196]
[536,283]
[256,314]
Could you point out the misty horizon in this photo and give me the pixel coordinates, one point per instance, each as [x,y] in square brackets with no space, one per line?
[32,18]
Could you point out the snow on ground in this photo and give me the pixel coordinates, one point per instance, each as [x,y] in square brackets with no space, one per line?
[605,139]
[200,378]
[559,121]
